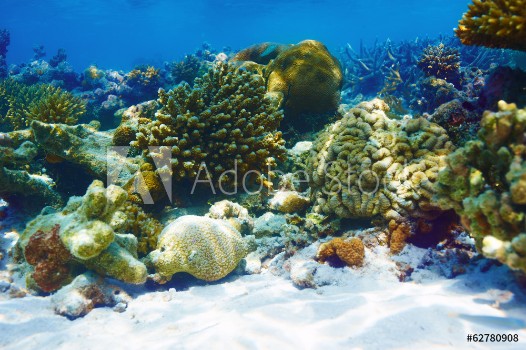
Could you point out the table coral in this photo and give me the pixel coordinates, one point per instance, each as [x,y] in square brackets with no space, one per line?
[88,232]
[224,121]
[209,249]
[350,252]
[485,183]
[367,165]
[494,23]
[441,62]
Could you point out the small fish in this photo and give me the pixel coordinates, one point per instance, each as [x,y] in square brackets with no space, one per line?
[493,321]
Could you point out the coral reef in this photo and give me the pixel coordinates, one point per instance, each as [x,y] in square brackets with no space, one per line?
[187,70]
[131,118]
[460,120]
[441,62]
[484,182]
[144,82]
[261,53]
[289,202]
[143,226]
[367,165]
[494,23]
[225,122]
[87,228]
[59,58]
[235,214]
[337,251]
[23,104]
[209,249]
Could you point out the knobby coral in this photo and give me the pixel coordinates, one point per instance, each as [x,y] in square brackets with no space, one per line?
[485,183]
[441,62]
[225,122]
[367,165]
[209,249]
[494,23]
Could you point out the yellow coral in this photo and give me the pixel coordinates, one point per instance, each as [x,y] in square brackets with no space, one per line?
[494,23]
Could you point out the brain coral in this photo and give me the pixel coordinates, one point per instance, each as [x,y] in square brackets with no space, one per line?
[366,165]
[21,104]
[209,249]
[224,121]
[485,183]
[87,230]
[494,23]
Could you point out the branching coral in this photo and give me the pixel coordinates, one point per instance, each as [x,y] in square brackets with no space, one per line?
[145,81]
[485,183]
[441,62]
[351,252]
[225,122]
[187,70]
[207,248]
[494,23]
[87,230]
[367,165]
[23,104]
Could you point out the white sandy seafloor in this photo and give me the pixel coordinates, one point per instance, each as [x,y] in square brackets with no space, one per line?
[366,308]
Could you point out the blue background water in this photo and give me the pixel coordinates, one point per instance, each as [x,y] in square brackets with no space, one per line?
[121,33]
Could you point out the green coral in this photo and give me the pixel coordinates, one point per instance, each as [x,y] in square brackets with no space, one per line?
[225,121]
[485,183]
[21,104]
[87,228]
[367,165]
[209,249]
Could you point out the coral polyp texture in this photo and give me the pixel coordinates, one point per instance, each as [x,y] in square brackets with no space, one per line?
[485,183]
[21,104]
[87,229]
[225,122]
[367,165]
[494,23]
[350,252]
[207,248]
[441,62]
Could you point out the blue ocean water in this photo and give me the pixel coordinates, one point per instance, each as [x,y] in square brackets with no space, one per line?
[120,34]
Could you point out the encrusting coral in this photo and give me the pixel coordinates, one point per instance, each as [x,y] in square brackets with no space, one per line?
[494,23]
[485,183]
[441,62]
[207,248]
[87,228]
[22,104]
[351,252]
[224,122]
[367,165]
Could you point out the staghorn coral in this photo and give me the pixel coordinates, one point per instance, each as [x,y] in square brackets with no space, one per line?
[494,23]
[209,249]
[441,62]
[46,252]
[485,183]
[23,104]
[87,230]
[225,122]
[350,252]
[367,165]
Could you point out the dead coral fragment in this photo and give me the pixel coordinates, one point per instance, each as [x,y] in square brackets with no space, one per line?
[494,23]
[337,251]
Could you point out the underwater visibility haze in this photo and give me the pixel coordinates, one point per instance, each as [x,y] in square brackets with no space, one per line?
[255,175]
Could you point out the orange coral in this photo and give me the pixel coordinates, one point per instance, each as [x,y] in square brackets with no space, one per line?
[494,23]
[399,233]
[337,251]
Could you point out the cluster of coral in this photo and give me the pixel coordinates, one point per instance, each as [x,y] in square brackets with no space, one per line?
[441,62]
[485,183]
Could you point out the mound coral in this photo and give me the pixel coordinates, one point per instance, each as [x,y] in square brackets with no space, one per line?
[225,122]
[261,53]
[209,249]
[485,183]
[351,252]
[441,62]
[494,23]
[22,104]
[367,165]
[87,231]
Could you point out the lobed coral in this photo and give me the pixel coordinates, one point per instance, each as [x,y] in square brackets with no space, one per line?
[494,23]
[350,252]
[225,122]
[22,104]
[367,165]
[441,62]
[485,183]
[88,232]
[209,249]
